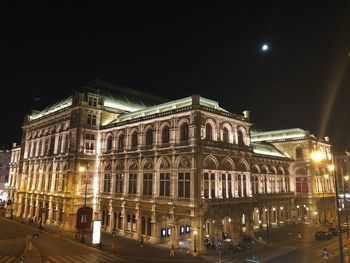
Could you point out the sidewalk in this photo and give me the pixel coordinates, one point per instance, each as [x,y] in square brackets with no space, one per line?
[121,246]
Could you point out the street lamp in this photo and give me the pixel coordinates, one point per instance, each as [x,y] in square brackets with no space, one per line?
[340,237]
[82,170]
[195,240]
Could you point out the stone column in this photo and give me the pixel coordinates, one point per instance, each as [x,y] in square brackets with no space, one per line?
[123,220]
[154,238]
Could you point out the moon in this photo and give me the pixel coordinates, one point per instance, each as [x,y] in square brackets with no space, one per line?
[265,47]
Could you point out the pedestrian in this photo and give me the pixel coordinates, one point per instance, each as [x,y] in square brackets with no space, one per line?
[172,250]
[325,254]
[141,242]
[21,258]
[114,232]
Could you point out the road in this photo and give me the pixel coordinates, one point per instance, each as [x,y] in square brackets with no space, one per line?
[57,246]
[286,247]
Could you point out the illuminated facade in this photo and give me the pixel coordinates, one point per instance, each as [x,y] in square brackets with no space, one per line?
[314,183]
[174,171]
[4,173]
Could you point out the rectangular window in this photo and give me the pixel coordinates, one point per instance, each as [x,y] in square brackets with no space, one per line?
[298,184]
[206,185]
[107,183]
[229,183]
[212,185]
[184,185]
[46,147]
[89,142]
[59,144]
[164,184]
[88,120]
[147,183]
[119,183]
[224,185]
[92,101]
[57,181]
[304,187]
[132,183]
[93,120]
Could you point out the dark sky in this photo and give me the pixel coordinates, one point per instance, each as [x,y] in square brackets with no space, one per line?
[175,49]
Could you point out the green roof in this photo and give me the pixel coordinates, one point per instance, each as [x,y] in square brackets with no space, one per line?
[164,107]
[122,98]
[53,108]
[268,149]
[279,135]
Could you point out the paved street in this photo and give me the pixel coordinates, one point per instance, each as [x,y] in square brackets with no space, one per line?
[56,246]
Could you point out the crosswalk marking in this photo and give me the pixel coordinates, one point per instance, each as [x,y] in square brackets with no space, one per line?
[7,259]
[81,258]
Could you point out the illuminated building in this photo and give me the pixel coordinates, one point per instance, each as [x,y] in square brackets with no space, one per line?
[314,185]
[4,173]
[159,169]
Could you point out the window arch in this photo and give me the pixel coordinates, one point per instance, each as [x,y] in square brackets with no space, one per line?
[208,132]
[225,135]
[240,138]
[184,132]
[121,141]
[149,136]
[299,153]
[134,142]
[166,134]
[109,142]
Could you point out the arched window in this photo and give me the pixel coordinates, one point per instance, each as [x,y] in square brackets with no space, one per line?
[134,140]
[121,143]
[240,138]
[109,143]
[149,136]
[225,135]
[165,134]
[208,132]
[184,132]
[299,153]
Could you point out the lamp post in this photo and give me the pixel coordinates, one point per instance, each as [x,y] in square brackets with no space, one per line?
[82,171]
[42,202]
[195,240]
[340,237]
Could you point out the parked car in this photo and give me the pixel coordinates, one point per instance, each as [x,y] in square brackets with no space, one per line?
[333,230]
[322,235]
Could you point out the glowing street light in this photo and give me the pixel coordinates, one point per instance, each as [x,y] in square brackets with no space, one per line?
[317,156]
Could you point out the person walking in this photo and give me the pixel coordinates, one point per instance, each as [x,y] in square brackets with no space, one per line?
[141,242]
[325,254]
[172,250]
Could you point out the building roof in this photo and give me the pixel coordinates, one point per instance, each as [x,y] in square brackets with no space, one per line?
[114,96]
[268,149]
[52,108]
[122,98]
[164,107]
[279,135]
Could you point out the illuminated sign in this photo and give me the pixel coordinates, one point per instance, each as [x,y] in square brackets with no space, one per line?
[96,234]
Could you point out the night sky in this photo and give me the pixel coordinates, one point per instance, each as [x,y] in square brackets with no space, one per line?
[175,49]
